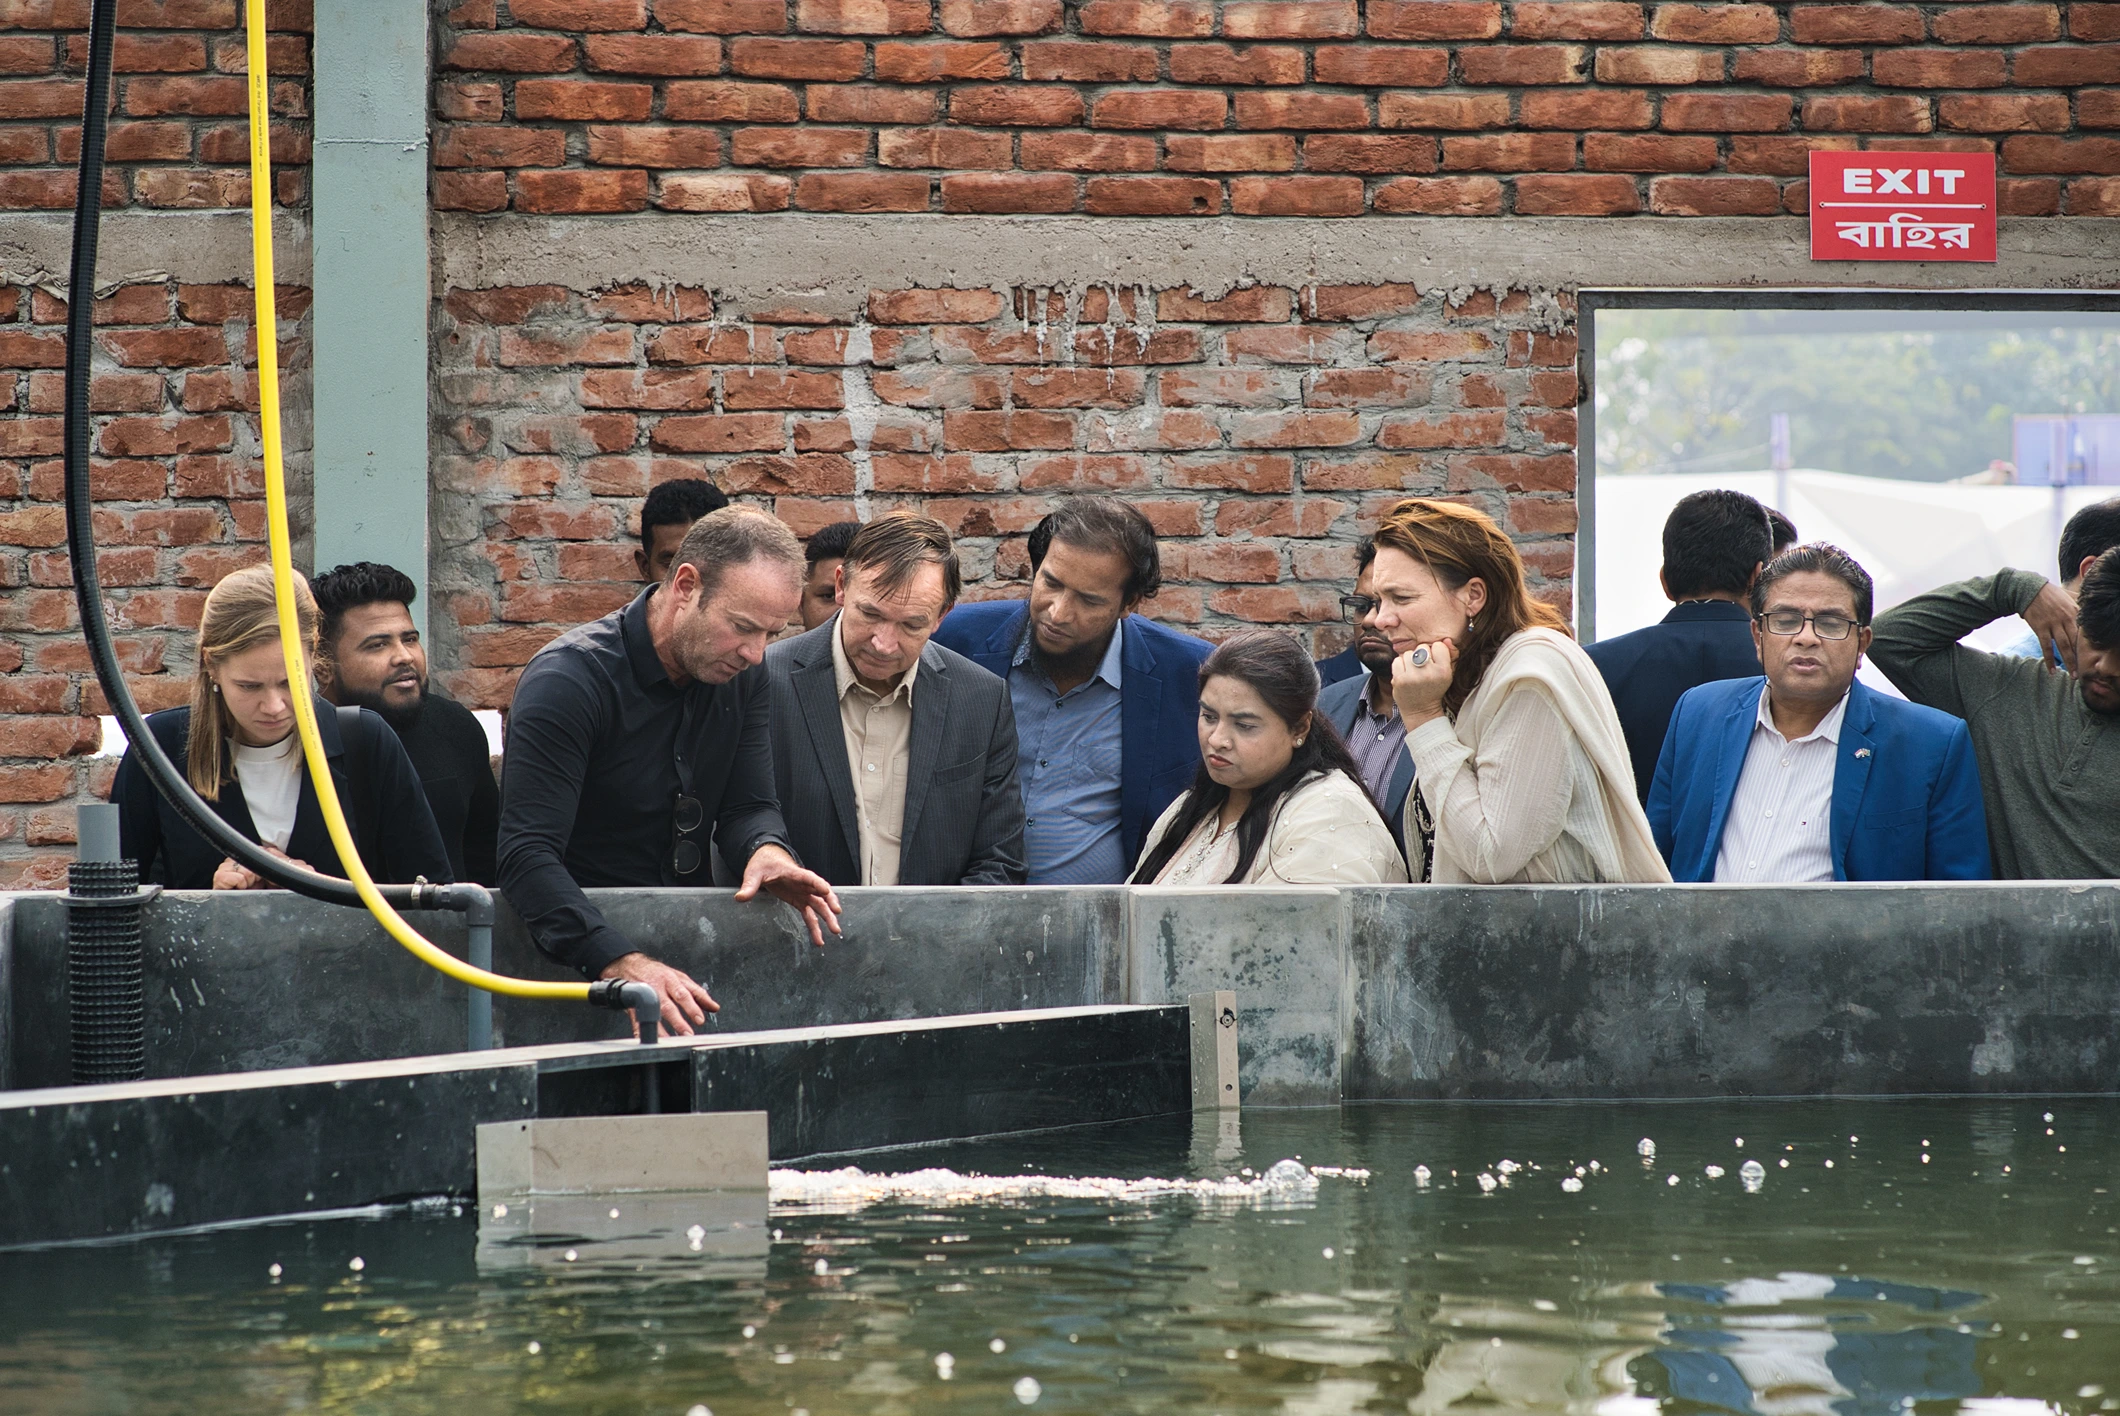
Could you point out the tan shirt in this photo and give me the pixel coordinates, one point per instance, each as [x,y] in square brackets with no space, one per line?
[878,732]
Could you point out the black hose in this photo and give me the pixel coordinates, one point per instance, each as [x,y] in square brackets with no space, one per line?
[80,525]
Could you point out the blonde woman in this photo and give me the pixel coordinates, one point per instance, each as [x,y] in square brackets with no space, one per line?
[248,763]
[1278,799]
[1520,768]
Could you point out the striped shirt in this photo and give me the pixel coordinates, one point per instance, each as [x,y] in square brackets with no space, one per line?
[1780,826]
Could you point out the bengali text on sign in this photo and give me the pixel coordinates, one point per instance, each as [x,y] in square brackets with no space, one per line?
[1902,206]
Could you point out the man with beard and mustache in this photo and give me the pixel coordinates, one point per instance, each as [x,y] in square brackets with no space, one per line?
[1106,701]
[371,656]
[2048,742]
[1362,707]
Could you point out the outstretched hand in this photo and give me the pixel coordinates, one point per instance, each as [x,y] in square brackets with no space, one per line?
[773,870]
[2052,617]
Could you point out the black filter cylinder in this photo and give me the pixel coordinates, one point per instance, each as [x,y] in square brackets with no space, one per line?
[105,974]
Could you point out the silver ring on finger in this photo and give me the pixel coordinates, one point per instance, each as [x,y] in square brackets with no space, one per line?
[1420,657]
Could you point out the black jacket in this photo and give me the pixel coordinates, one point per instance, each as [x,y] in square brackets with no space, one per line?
[392,827]
[1648,671]
[449,752]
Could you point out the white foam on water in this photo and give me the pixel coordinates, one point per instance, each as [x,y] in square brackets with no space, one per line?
[1285,1182]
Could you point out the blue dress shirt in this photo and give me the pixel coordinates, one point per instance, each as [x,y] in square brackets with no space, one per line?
[1068,758]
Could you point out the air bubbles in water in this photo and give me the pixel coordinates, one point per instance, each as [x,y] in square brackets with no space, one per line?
[1328,1251]
[1715,1172]
[1671,1180]
[1571,1185]
[571,1255]
[945,1365]
[696,1233]
[1420,1176]
[749,1331]
[1487,1182]
[614,1212]
[533,1347]
[997,1347]
[273,1272]
[1754,1176]
[500,1211]
[357,1263]
[1027,1389]
[1647,1149]
[823,1267]
[699,1410]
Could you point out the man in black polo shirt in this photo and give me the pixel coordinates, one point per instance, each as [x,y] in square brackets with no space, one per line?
[372,657]
[636,740]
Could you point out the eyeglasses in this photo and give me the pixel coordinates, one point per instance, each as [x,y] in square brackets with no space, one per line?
[688,817]
[1826,624]
[1355,608]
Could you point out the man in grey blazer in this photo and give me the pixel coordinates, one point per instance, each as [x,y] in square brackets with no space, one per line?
[895,757]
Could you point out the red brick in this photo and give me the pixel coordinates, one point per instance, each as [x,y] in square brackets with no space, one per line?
[944,147]
[1359,302]
[154,348]
[1077,388]
[510,53]
[143,54]
[1714,196]
[729,432]
[1998,24]
[1230,152]
[1363,152]
[1009,192]
[2094,196]
[1293,344]
[1153,196]
[1521,64]
[1238,387]
[1798,68]
[40,98]
[1449,430]
[616,190]
[939,63]
[1367,388]
[1434,19]
[1855,24]
[1576,194]
[718,191]
[659,54]
[580,14]
[1602,108]
[1295,429]
[162,437]
[1649,65]
[861,191]
[1290,19]
[1166,19]
[1296,196]
[1576,19]
[976,19]
[49,737]
[1641,152]
[1258,472]
[954,473]
[933,306]
[1739,113]
[1089,152]
[1014,430]
[723,16]
[1414,347]
[1121,345]
[629,145]
[489,145]
[1017,106]
[2061,155]
[715,344]
[1515,472]
[1440,196]
[468,102]
[131,305]
[1224,64]
[1510,152]
[1159,109]
[797,58]
[730,103]
[1307,112]
[107,393]
[2094,22]
[2097,108]
[1092,63]
[647,389]
[1849,114]
[1716,24]
[149,98]
[1376,66]
[799,147]
[932,386]
[862,16]
[1453,110]
[1937,68]
[2012,113]
[778,388]
[1781,157]
[520,348]
[2067,66]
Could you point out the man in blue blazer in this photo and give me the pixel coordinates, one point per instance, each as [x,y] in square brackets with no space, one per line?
[1107,702]
[1805,774]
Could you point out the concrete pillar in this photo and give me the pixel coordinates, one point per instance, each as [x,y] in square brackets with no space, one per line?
[369,185]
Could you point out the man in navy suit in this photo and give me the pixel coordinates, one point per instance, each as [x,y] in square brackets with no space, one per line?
[1347,664]
[1362,708]
[1106,701]
[1806,775]
[1714,544]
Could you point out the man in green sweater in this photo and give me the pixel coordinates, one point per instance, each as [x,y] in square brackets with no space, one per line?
[2048,742]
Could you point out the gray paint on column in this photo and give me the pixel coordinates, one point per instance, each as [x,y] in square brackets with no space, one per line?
[369,186]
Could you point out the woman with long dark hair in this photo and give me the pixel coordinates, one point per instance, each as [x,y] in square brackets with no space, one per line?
[1278,798]
[1521,771]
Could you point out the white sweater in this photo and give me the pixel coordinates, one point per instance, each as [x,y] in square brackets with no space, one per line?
[1324,832]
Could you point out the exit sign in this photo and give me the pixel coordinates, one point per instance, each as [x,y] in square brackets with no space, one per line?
[1902,206]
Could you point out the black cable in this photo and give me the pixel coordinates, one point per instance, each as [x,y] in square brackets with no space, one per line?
[80,525]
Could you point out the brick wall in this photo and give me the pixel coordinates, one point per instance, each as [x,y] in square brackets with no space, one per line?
[1254,107]
[179,501]
[1259,431]
[178,136]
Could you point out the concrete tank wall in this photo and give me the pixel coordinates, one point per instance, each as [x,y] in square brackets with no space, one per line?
[1582,991]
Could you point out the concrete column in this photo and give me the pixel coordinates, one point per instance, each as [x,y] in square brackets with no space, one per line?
[369,181]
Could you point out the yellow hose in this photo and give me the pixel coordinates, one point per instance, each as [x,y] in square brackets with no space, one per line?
[283,561]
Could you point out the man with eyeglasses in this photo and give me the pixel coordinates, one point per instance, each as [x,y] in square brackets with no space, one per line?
[1806,775]
[1362,707]
[635,739]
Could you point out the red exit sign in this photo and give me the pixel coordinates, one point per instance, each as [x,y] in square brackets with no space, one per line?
[1902,206]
